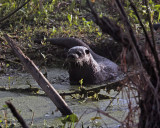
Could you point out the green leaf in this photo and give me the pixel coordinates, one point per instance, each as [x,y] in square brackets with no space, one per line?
[83,19]
[5,106]
[7,65]
[70,118]
[157,7]
[159,17]
[95,118]
[99,34]
[54,30]
[81,82]
[76,20]
[29,45]
[150,2]
[9,78]
[69,17]
[45,38]
[73,117]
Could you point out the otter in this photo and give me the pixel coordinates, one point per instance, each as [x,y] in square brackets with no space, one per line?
[84,63]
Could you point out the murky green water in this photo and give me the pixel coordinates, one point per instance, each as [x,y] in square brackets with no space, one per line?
[41,110]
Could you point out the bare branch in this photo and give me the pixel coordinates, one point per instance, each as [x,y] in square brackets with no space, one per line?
[16,114]
[147,65]
[110,27]
[11,13]
[152,47]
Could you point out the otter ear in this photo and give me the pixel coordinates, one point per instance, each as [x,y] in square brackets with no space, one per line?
[87,51]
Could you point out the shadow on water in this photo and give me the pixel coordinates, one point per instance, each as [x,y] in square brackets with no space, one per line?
[35,106]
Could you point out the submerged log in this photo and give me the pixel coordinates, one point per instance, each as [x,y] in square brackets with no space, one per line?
[40,79]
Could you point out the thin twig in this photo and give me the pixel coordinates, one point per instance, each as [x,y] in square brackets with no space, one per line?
[112,101]
[10,61]
[11,13]
[134,44]
[98,21]
[154,51]
[106,114]
[80,117]
[16,114]
[150,24]
[152,47]
[146,63]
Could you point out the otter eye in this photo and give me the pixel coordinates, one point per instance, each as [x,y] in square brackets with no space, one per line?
[87,51]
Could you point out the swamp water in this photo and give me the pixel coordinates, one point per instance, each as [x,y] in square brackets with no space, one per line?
[39,110]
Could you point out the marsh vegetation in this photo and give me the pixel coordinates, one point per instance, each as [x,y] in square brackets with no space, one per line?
[120,30]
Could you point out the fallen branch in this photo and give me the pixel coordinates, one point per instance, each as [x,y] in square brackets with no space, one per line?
[29,90]
[108,87]
[39,77]
[16,114]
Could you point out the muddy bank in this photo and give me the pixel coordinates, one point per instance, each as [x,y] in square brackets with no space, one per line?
[50,55]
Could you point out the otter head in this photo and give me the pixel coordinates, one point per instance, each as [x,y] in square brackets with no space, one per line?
[79,55]
[82,66]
